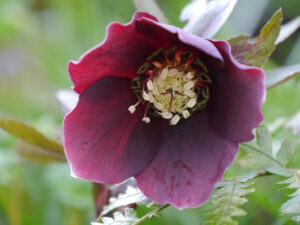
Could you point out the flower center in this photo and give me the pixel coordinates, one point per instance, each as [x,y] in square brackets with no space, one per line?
[173,84]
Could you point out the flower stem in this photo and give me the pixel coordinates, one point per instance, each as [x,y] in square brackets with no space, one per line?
[247,146]
[150,214]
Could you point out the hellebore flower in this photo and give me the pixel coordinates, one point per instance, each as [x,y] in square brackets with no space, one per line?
[162,105]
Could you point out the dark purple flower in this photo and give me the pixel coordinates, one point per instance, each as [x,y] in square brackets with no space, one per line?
[162,105]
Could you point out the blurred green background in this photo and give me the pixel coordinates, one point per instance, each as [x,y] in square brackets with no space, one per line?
[39,37]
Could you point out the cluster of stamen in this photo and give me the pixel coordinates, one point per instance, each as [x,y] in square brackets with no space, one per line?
[173,84]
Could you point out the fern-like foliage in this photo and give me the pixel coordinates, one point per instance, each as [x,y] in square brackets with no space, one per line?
[292,206]
[229,194]
[227,199]
[120,208]
[132,195]
[128,218]
[262,156]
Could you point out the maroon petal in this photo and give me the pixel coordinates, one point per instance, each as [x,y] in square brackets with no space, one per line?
[121,53]
[237,95]
[168,35]
[191,160]
[103,141]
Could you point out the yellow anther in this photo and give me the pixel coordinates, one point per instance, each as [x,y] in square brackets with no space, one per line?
[166,115]
[171,90]
[189,85]
[191,103]
[151,98]
[146,119]
[175,120]
[146,96]
[172,72]
[164,73]
[150,85]
[132,109]
[189,93]
[190,75]
[158,105]
[186,114]
[157,64]
[155,90]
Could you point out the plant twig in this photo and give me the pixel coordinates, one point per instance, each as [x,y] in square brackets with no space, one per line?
[228,202]
[150,214]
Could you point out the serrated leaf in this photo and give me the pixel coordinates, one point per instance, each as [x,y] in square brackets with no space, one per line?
[281,74]
[293,181]
[129,217]
[286,151]
[237,211]
[130,213]
[288,29]
[246,178]
[207,19]
[132,195]
[262,156]
[279,171]
[151,7]
[252,160]
[256,53]
[30,135]
[292,206]
[264,141]
[225,202]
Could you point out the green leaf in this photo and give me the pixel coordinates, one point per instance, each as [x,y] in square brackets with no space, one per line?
[151,7]
[264,141]
[260,157]
[252,160]
[225,202]
[292,206]
[286,151]
[37,154]
[281,74]
[127,199]
[257,52]
[132,195]
[30,135]
[128,218]
[277,170]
